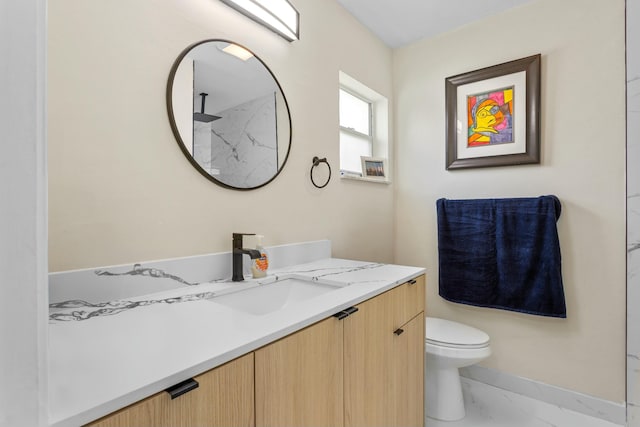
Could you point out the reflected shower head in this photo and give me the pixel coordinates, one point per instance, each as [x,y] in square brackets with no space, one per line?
[201,116]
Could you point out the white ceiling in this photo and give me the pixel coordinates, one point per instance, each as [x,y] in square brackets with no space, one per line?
[400,22]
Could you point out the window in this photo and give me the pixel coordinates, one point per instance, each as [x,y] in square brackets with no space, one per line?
[363,126]
[355,131]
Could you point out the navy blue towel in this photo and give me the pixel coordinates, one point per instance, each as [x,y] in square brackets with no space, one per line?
[501,253]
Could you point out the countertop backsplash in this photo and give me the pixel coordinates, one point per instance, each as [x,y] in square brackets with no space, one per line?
[103,284]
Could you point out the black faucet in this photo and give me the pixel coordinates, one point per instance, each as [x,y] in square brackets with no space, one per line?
[237,253]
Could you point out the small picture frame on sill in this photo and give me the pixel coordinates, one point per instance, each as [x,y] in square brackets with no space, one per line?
[374,168]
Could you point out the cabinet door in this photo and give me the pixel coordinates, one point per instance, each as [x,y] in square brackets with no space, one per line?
[368,354]
[224,398]
[408,361]
[299,378]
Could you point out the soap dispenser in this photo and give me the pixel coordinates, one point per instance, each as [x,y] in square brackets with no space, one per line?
[259,266]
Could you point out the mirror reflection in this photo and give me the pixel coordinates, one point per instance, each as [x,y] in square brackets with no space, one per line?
[229,114]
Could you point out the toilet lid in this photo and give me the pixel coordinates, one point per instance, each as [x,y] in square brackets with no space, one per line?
[452,334]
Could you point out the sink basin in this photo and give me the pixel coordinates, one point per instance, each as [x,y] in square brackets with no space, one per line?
[268,298]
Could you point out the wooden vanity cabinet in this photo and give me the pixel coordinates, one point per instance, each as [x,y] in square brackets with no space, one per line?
[225,397]
[364,370]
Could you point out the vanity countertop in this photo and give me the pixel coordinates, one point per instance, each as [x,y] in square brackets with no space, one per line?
[103,357]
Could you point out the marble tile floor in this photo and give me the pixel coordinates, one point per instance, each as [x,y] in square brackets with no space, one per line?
[488,406]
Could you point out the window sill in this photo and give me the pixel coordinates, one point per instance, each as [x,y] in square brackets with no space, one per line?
[355,177]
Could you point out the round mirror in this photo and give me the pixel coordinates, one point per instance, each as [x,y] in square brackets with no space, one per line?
[229,114]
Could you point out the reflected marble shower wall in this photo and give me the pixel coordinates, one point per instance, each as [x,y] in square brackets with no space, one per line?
[202,145]
[633,213]
[244,143]
[240,149]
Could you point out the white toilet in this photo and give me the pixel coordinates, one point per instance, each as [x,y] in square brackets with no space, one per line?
[449,346]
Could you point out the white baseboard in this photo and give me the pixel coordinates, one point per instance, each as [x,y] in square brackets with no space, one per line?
[588,405]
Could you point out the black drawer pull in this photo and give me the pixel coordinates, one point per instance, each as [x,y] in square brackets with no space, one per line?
[341,315]
[182,388]
[413,281]
[398,331]
[345,313]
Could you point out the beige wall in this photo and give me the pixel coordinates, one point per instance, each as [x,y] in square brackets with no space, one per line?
[120,190]
[583,163]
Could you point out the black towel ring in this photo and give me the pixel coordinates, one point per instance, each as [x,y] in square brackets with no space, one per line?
[316,162]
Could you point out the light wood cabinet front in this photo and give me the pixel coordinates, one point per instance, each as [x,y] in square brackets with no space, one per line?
[224,398]
[408,356]
[299,378]
[410,300]
[384,359]
[368,354]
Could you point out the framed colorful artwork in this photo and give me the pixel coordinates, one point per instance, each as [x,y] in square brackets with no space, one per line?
[493,115]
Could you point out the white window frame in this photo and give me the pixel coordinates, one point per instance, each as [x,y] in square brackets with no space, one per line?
[378,123]
[369,137]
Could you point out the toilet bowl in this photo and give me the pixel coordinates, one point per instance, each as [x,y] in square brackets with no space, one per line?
[449,346]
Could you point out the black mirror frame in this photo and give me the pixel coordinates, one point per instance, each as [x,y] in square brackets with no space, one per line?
[174,126]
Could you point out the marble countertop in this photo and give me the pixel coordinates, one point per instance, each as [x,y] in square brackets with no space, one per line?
[105,356]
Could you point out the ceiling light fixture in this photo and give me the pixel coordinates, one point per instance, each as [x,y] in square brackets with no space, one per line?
[277,15]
